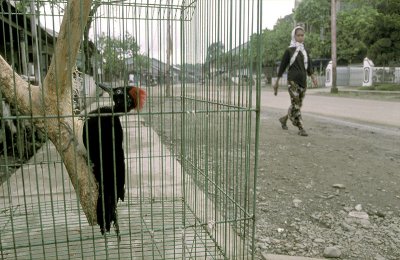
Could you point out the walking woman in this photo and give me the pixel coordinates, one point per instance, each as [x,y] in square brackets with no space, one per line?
[298,60]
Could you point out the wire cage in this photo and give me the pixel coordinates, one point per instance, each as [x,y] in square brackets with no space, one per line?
[190,154]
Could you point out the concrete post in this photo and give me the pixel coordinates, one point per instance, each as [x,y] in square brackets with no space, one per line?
[328,75]
[368,72]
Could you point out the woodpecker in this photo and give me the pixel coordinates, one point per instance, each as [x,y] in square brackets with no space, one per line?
[102,136]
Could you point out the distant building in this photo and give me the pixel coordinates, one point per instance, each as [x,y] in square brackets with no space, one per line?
[17,47]
[155,72]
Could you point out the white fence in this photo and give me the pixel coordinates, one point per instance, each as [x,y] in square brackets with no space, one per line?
[365,74]
[386,75]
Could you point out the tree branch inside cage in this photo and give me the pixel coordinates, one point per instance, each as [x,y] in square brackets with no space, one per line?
[50,105]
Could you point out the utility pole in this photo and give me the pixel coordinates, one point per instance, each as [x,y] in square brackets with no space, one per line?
[24,57]
[334,88]
[35,44]
[169,52]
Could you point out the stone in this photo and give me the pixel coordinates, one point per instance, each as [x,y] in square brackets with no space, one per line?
[359,214]
[332,252]
[297,202]
[319,240]
[379,257]
[358,207]
[339,186]
[262,246]
[380,214]
[347,227]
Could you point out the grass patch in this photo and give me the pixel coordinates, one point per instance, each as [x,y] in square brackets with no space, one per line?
[386,95]
[382,87]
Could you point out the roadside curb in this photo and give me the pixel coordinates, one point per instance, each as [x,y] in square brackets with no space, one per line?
[346,89]
[378,92]
[352,90]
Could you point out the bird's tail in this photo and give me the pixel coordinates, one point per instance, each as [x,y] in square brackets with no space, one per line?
[107,212]
[139,95]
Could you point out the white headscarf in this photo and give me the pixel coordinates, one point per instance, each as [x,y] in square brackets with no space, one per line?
[299,47]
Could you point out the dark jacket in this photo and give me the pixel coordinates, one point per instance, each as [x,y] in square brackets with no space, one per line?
[297,72]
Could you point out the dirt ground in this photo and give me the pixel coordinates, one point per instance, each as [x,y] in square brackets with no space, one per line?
[309,189]
[336,189]
[339,188]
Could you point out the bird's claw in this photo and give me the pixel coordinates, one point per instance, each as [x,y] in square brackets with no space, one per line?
[116,228]
[71,135]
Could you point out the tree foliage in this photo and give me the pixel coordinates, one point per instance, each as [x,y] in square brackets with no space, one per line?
[86,47]
[114,52]
[276,41]
[314,14]
[24,6]
[215,55]
[383,37]
[364,28]
[215,51]
[354,26]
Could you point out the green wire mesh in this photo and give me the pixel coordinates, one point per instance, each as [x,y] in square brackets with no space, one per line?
[190,155]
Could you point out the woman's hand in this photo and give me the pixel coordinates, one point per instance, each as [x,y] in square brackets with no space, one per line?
[276,86]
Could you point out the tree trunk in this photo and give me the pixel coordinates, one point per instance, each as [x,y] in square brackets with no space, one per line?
[51,106]
[334,88]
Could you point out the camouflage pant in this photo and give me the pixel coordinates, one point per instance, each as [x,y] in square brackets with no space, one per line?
[297,94]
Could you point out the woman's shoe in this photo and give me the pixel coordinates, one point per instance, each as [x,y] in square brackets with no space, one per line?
[302,132]
[283,123]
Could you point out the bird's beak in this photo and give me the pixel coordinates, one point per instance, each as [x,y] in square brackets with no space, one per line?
[106,88]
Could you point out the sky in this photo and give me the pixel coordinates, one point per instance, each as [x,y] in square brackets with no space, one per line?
[233,22]
[275,9]
[229,21]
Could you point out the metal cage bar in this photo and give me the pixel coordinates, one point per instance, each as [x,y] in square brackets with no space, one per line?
[190,155]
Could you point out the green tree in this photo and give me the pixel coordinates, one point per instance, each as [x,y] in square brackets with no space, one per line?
[276,41]
[364,28]
[317,47]
[88,51]
[24,5]
[114,52]
[354,26]
[369,28]
[215,51]
[215,55]
[314,14]
[383,38]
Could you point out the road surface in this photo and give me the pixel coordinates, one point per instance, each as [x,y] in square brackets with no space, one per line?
[359,110]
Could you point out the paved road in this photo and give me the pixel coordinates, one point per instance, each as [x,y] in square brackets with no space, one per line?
[359,110]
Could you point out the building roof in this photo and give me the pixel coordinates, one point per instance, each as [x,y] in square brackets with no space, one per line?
[156,66]
[10,15]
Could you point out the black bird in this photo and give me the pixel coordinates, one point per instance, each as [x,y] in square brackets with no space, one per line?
[103,139]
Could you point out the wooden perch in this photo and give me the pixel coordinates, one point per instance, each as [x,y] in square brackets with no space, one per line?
[51,106]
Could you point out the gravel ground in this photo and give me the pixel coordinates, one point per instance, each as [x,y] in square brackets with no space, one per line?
[334,193]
